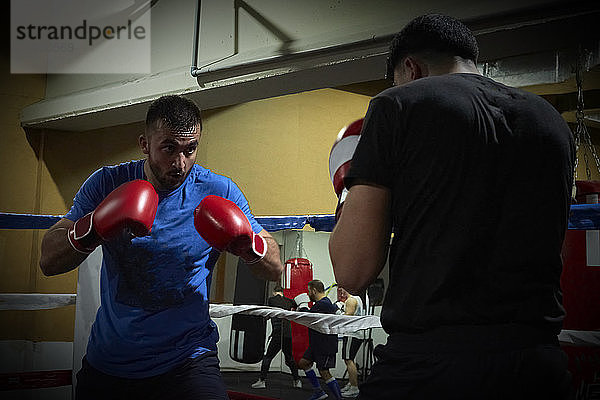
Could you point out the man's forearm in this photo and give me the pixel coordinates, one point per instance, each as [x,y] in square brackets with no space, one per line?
[359,242]
[270,267]
[57,255]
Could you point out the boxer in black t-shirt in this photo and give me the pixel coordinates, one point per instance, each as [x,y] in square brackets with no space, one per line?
[474,179]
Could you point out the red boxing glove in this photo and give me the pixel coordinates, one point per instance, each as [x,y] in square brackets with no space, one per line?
[224,226]
[340,158]
[131,206]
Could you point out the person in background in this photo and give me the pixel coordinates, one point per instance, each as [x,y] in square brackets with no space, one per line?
[280,339]
[351,342]
[322,348]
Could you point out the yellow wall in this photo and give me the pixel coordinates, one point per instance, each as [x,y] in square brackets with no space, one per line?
[20,181]
[277,150]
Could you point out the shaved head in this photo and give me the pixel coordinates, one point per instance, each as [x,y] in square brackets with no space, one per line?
[176,114]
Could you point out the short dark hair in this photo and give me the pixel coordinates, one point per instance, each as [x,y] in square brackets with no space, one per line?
[278,288]
[435,33]
[317,285]
[176,112]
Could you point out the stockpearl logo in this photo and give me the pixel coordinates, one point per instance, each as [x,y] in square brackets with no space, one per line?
[80,36]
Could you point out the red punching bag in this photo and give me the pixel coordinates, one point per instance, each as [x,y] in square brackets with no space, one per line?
[297,273]
[580,282]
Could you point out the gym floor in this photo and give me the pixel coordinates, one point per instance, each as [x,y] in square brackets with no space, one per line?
[279,385]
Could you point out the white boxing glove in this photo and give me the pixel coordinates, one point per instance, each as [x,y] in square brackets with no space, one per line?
[340,305]
[302,301]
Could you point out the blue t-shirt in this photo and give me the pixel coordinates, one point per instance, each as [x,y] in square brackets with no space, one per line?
[154,290]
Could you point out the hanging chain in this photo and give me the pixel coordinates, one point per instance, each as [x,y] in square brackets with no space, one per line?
[582,136]
[300,244]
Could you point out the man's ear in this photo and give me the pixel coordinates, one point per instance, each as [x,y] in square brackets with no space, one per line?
[143,142]
[414,67]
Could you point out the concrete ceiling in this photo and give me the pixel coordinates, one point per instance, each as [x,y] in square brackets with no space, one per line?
[533,48]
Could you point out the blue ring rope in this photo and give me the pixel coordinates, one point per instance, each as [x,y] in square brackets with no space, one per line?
[582,217]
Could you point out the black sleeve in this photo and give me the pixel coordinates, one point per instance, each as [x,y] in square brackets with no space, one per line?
[374,155]
[293,304]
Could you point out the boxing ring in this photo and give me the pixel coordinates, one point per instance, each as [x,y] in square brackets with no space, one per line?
[87,299]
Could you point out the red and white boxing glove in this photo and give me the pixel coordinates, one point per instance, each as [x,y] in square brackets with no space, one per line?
[302,301]
[340,158]
[225,227]
[131,206]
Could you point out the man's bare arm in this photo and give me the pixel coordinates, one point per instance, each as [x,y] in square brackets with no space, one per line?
[350,306]
[58,256]
[270,267]
[358,245]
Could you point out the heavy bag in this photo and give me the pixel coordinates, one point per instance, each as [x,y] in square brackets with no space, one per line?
[248,332]
[580,279]
[297,273]
[580,283]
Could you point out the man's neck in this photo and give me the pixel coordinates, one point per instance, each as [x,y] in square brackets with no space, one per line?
[150,176]
[457,65]
[319,296]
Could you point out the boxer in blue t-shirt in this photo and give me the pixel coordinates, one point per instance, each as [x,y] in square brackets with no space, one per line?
[153,335]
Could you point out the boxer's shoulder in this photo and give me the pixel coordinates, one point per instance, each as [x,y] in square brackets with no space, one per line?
[129,167]
[203,176]
[206,181]
[117,174]
[432,87]
[121,173]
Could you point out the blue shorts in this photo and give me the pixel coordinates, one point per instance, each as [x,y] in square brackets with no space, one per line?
[196,378]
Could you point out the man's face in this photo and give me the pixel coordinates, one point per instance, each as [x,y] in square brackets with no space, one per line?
[311,294]
[171,155]
[342,295]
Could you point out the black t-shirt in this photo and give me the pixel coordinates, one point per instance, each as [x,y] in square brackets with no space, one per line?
[322,343]
[276,323]
[480,176]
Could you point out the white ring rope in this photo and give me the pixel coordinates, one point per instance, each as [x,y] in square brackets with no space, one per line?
[35,301]
[324,323]
[344,324]
[580,338]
